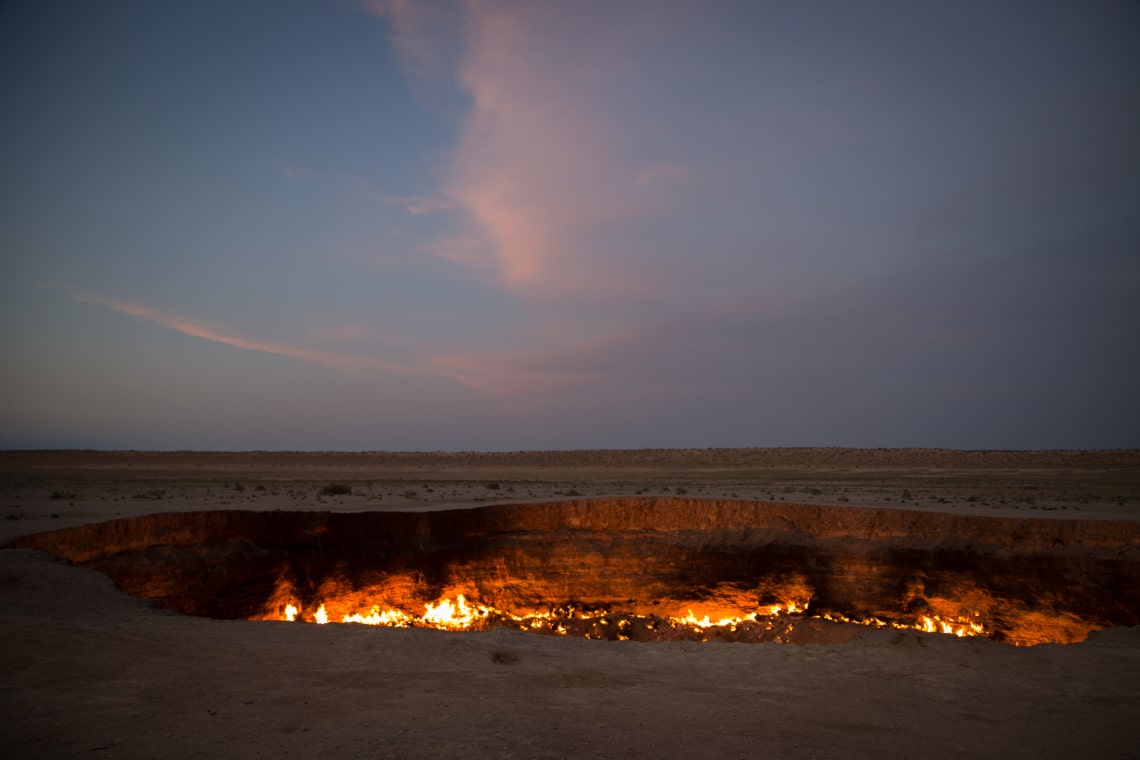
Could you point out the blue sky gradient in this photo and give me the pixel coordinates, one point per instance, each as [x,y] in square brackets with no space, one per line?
[500,225]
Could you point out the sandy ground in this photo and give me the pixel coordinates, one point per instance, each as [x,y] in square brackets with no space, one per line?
[89,671]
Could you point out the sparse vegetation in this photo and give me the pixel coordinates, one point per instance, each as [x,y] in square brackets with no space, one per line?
[336,489]
[63,495]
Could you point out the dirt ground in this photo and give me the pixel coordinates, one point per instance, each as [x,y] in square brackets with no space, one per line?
[89,671]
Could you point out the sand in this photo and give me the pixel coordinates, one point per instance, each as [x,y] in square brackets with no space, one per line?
[90,671]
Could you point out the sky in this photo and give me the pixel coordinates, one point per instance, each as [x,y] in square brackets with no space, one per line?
[518,225]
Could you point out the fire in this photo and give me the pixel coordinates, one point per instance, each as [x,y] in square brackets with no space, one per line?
[957,626]
[457,616]
[462,614]
[705,622]
[377,616]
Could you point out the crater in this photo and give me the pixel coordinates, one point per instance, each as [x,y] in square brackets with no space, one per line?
[646,569]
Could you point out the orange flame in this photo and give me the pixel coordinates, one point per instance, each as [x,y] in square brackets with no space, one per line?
[462,614]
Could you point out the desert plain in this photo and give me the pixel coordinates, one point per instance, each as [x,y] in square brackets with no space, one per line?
[91,671]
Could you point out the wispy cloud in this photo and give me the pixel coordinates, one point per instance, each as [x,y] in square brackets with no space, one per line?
[497,373]
[537,169]
[540,176]
[217,334]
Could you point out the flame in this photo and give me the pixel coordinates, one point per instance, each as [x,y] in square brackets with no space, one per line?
[457,616]
[956,626]
[462,614]
[377,616]
[705,622]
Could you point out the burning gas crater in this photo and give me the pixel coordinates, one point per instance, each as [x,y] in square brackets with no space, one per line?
[641,569]
[773,622]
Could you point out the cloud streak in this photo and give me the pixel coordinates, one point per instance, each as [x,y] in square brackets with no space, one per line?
[199,329]
[496,373]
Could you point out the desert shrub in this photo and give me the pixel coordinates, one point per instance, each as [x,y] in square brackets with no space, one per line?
[336,489]
[58,495]
[681,491]
[492,486]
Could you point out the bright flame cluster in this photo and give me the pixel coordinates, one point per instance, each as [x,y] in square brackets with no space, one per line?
[731,623]
[444,614]
[956,626]
[461,615]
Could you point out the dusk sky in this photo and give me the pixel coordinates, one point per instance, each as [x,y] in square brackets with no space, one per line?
[503,225]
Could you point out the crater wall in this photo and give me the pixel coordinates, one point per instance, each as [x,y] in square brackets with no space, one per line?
[1022,580]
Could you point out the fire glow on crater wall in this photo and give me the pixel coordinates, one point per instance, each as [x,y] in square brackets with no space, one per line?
[633,568]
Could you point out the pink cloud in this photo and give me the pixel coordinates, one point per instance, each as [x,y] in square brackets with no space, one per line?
[539,172]
[199,329]
[507,374]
